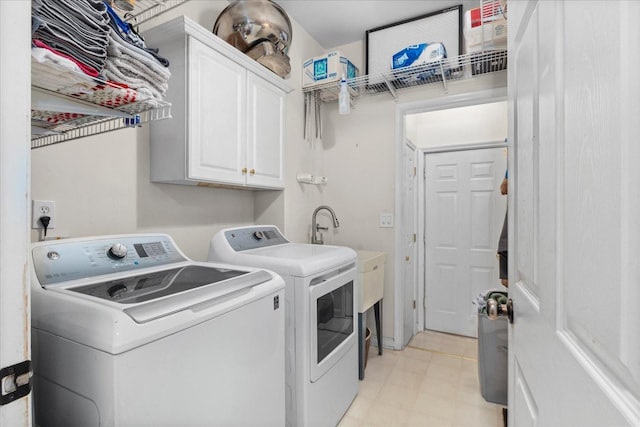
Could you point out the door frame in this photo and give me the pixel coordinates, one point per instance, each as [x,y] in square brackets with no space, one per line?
[422,187]
[411,296]
[15,199]
[404,109]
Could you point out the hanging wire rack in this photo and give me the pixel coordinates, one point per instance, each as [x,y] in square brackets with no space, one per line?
[436,72]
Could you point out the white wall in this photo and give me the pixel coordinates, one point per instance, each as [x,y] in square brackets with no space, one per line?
[463,125]
[101,183]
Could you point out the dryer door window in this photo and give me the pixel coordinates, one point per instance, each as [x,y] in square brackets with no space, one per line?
[332,320]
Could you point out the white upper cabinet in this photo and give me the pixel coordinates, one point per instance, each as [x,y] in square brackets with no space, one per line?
[227,126]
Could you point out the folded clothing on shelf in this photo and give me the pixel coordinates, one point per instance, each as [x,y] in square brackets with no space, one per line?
[44,53]
[129,35]
[135,67]
[123,28]
[82,49]
[75,28]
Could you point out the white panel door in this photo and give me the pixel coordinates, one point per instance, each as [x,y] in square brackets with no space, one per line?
[216,116]
[15,308]
[574,98]
[409,236]
[265,133]
[464,216]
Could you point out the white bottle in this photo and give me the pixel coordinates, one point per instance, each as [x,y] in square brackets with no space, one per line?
[344,99]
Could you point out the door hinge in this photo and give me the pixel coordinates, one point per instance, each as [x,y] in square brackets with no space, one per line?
[414,304]
[414,171]
[15,382]
[414,237]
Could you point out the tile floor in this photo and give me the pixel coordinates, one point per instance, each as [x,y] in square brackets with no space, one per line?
[432,382]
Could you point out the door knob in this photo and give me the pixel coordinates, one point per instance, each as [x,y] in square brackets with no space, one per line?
[495,310]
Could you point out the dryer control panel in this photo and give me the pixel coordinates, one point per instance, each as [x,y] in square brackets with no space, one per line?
[64,260]
[259,236]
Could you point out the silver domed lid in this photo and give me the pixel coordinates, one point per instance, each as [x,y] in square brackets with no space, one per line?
[259,28]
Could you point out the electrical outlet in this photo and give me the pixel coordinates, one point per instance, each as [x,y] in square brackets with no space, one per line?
[43,208]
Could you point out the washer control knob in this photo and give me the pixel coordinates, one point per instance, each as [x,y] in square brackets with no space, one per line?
[258,235]
[117,251]
[53,255]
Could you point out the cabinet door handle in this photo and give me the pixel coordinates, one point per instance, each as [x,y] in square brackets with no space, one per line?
[252,171]
[244,170]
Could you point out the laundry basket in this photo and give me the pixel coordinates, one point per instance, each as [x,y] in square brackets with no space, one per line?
[493,352]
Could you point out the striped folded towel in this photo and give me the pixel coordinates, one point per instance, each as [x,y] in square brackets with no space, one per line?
[135,67]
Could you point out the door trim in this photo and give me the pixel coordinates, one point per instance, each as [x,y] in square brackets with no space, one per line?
[402,110]
[465,147]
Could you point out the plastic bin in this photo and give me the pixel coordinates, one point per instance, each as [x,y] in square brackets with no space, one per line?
[493,351]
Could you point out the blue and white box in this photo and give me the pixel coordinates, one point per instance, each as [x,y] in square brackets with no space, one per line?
[327,68]
[423,54]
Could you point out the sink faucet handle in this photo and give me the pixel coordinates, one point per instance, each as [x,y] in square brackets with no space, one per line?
[318,227]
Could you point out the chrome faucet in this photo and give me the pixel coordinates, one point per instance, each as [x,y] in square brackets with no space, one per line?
[315,227]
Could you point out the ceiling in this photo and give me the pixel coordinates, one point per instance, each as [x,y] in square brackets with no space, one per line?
[334,23]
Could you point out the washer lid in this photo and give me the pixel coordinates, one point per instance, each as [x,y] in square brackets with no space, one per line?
[157,284]
[295,259]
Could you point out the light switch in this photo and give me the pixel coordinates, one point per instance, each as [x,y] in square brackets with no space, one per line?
[386,220]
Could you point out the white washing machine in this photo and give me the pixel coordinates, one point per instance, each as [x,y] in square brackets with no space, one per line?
[320,316]
[127,331]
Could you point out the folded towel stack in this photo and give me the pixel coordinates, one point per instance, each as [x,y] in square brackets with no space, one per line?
[135,67]
[75,28]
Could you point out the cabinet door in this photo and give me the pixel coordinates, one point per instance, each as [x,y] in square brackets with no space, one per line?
[265,127]
[216,116]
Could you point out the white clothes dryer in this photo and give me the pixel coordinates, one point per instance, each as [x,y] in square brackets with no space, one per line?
[320,317]
[127,331]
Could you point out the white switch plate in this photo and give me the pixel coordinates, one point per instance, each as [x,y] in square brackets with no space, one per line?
[386,220]
[41,208]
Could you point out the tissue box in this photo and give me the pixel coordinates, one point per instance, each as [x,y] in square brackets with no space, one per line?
[326,69]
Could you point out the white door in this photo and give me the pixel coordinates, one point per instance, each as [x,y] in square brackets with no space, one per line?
[15,309]
[574,98]
[464,214]
[265,133]
[216,115]
[409,235]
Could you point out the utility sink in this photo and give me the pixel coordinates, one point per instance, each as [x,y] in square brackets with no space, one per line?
[370,278]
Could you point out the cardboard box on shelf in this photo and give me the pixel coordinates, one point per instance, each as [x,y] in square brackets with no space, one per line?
[490,12]
[489,36]
[327,68]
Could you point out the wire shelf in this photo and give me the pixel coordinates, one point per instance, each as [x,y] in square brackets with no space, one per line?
[144,10]
[97,125]
[440,72]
